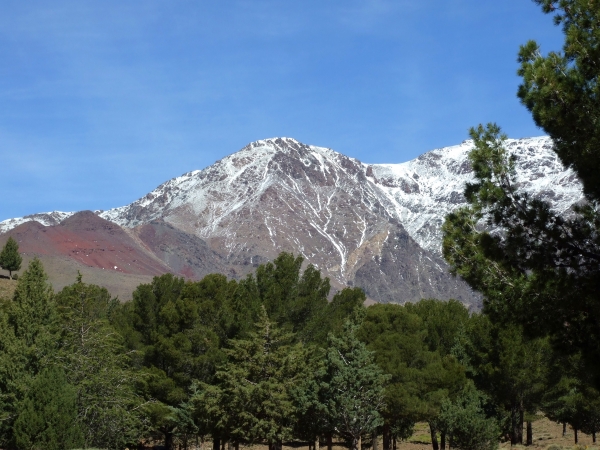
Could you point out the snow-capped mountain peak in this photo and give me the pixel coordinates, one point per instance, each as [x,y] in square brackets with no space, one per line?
[377,226]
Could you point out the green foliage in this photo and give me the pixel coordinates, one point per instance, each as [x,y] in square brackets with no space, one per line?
[562,89]
[294,300]
[13,378]
[540,268]
[342,307]
[10,259]
[48,415]
[466,423]
[27,341]
[178,329]
[252,401]
[443,322]
[96,364]
[571,396]
[511,368]
[33,311]
[311,419]
[353,387]
[421,379]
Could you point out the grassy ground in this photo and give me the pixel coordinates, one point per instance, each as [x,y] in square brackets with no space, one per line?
[7,287]
[545,434]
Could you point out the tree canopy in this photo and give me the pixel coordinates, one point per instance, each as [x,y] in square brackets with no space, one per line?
[535,266]
[10,259]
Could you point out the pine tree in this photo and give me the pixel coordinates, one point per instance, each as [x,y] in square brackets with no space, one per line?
[421,378]
[510,368]
[540,268]
[28,341]
[252,400]
[48,414]
[178,328]
[96,364]
[353,387]
[465,421]
[10,259]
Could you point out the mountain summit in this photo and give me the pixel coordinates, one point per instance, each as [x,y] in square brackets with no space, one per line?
[375,226]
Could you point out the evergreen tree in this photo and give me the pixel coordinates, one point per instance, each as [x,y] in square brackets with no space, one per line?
[571,396]
[311,420]
[47,417]
[13,378]
[421,379]
[10,259]
[443,321]
[252,401]
[511,369]
[96,364]
[28,341]
[176,327]
[465,421]
[540,268]
[353,387]
[294,300]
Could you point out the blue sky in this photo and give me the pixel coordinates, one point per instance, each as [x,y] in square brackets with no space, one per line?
[101,101]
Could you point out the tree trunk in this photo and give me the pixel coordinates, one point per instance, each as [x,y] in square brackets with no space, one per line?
[564,429]
[521,422]
[375,446]
[514,426]
[529,433]
[317,445]
[169,440]
[393,442]
[575,433]
[359,443]
[216,443]
[594,437]
[386,437]
[434,441]
[329,442]
[443,440]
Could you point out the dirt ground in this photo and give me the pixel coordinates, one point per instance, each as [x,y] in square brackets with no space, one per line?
[545,433]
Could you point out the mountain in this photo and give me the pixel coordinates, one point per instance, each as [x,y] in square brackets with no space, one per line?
[376,226]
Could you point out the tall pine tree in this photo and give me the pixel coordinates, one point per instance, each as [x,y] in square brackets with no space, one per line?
[540,268]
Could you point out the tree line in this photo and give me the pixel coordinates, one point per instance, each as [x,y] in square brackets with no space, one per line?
[268,359]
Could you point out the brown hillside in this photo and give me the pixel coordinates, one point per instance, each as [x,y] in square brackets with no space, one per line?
[88,240]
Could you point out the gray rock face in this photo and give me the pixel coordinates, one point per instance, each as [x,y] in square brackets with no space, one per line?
[374,226]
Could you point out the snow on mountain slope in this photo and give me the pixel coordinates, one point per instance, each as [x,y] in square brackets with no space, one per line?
[281,195]
[311,185]
[46,219]
[423,191]
[375,226]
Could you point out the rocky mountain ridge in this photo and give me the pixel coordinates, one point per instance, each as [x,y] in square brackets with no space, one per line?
[377,226]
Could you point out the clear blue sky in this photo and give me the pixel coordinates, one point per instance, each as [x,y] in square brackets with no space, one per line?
[101,101]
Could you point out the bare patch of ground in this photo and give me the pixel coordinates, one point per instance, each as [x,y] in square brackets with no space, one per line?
[545,434]
[7,288]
